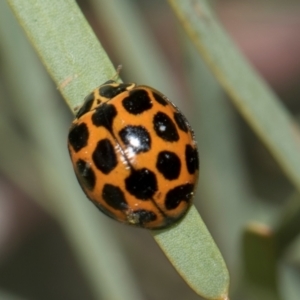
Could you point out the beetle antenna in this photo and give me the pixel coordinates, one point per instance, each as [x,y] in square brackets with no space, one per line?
[117,74]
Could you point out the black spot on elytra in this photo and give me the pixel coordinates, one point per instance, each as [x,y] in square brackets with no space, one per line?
[178,194]
[136,137]
[109,91]
[165,127]
[78,136]
[114,197]
[191,159]
[104,156]
[86,107]
[181,121]
[160,99]
[86,174]
[137,102]
[141,183]
[142,216]
[104,116]
[168,163]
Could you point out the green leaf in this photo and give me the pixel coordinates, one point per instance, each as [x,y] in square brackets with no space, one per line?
[255,101]
[38,162]
[288,226]
[193,253]
[260,264]
[77,63]
[66,45]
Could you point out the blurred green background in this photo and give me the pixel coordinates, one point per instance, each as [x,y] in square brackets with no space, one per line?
[240,183]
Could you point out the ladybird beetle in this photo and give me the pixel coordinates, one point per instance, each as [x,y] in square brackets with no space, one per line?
[134,155]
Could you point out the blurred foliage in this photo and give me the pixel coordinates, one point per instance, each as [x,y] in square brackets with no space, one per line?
[245,197]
